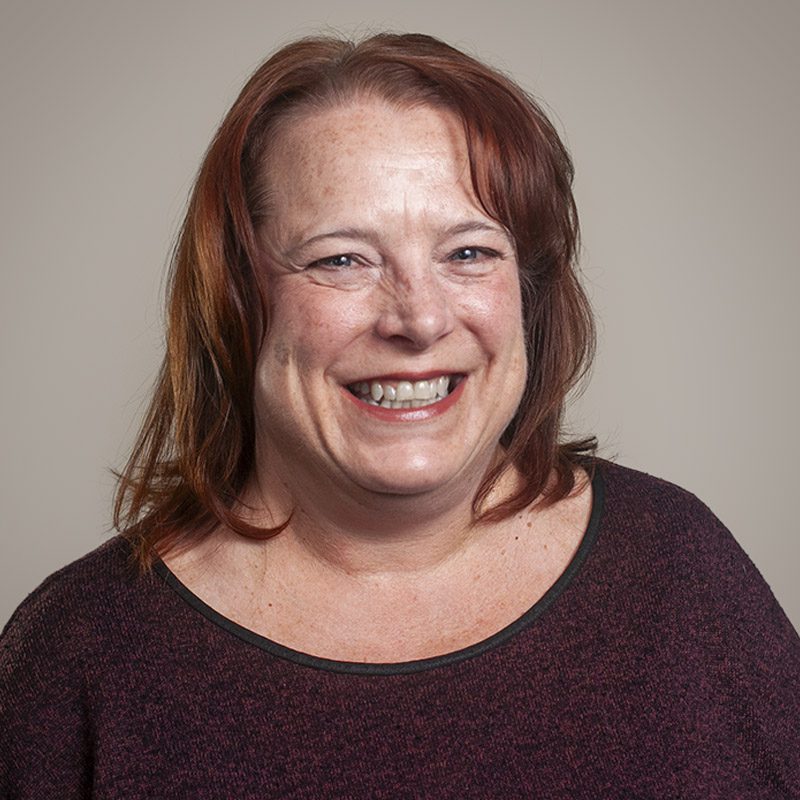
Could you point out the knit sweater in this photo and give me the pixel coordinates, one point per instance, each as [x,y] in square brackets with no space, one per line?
[659,665]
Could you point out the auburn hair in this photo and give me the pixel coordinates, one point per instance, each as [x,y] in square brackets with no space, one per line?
[196,446]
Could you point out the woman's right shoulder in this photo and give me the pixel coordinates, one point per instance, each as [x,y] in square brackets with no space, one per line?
[54,639]
[65,603]
[65,627]
[63,623]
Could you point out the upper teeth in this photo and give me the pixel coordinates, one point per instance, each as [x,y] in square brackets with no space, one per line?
[403,392]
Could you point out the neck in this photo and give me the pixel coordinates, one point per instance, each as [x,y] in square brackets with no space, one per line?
[363,533]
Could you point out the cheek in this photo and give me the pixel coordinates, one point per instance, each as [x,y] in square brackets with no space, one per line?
[502,333]
[310,324]
[281,352]
[495,311]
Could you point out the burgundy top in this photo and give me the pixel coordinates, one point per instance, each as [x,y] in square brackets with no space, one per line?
[658,666]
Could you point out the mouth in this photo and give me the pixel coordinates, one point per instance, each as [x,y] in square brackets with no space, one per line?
[391,393]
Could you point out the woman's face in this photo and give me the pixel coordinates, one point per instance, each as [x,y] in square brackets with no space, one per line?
[394,357]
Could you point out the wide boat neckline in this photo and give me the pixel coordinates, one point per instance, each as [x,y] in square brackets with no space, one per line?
[419,665]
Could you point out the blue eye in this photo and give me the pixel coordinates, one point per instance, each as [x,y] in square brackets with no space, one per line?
[466,254]
[333,262]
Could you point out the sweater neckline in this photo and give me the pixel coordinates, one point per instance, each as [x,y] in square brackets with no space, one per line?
[419,665]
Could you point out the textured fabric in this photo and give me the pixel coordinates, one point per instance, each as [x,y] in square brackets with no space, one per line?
[660,667]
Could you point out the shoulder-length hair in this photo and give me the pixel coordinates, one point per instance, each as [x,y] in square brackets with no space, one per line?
[196,447]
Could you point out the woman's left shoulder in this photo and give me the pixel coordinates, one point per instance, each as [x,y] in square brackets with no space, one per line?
[667,519]
[680,548]
[640,497]
[701,626]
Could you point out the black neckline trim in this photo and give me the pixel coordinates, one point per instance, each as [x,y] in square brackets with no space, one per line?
[419,665]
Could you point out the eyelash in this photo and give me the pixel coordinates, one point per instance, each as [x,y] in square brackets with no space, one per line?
[478,251]
[328,261]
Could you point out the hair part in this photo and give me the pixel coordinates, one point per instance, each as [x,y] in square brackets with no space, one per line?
[196,447]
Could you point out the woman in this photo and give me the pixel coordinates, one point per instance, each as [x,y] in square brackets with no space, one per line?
[356,560]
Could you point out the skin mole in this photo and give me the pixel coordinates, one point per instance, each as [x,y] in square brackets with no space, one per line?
[282,353]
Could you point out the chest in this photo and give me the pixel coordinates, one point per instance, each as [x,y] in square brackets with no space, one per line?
[511,723]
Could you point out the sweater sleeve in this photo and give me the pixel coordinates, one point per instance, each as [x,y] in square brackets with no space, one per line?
[759,676]
[721,660]
[755,662]
[45,734]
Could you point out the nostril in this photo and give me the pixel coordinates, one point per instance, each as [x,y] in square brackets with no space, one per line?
[419,328]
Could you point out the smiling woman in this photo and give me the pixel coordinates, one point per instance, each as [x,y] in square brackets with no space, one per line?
[433,192]
[422,284]
[357,558]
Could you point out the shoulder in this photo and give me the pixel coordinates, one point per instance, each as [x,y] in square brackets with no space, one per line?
[685,594]
[638,497]
[663,518]
[52,642]
[77,619]
[669,541]
[59,627]
[64,604]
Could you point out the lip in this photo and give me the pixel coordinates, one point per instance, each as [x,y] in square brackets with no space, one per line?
[411,377]
[408,414]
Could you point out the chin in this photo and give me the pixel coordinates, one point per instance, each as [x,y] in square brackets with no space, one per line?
[412,479]
[401,488]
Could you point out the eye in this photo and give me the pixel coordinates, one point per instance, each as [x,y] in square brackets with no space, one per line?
[473,261]
[334,262]
[466,254]
[342,271]
[473,254]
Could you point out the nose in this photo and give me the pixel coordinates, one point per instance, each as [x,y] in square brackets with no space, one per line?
[417,311]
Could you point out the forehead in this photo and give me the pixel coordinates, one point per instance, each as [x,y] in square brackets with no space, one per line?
[363,122]
[345,147]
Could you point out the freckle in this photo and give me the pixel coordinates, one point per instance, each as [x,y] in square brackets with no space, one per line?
[281,353]
[529,524]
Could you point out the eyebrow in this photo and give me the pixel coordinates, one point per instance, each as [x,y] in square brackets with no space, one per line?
[369,235]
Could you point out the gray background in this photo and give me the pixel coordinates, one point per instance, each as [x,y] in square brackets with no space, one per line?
[683,121]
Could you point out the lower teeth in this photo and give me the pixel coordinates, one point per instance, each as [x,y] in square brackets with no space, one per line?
[400,403]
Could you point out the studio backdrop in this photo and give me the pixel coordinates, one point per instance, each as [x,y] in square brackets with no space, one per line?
[684,125]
